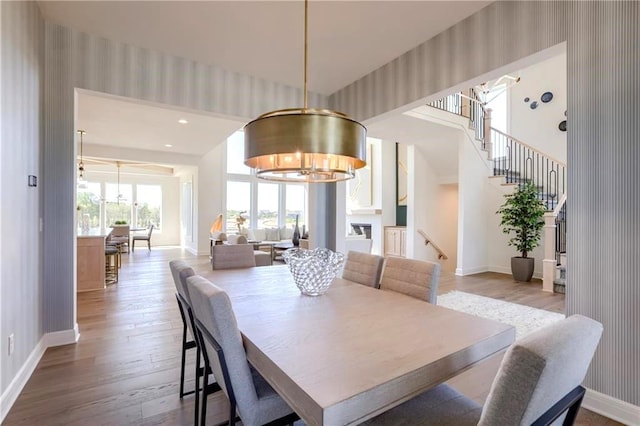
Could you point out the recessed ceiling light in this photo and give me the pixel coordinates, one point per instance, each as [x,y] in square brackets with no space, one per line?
[168,145]
[182,121]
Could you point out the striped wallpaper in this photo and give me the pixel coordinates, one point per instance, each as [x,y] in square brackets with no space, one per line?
[21,140]
[603,138]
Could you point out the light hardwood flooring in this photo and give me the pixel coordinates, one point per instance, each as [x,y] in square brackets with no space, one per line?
[125,369]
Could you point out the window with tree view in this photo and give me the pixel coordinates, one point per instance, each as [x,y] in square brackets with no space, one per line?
[148,206]
[88,206]
[118,203]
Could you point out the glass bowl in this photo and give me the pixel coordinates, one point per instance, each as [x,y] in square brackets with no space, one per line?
[313,270]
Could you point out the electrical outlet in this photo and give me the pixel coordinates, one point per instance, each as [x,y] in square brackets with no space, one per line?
[11,343]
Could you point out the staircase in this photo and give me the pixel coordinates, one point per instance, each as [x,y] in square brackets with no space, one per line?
[559,282]
[518,162]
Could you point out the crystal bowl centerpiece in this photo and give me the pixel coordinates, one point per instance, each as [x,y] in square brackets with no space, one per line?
[313,270]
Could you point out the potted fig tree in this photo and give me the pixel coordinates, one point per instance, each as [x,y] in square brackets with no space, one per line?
[523,218]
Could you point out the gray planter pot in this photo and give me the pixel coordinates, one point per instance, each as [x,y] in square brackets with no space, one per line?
[522,268]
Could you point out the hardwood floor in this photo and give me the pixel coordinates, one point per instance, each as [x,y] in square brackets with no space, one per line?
[125,369]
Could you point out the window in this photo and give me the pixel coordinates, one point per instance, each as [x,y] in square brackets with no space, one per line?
[148,206]
[118,203]
[101,204]
[268,210]
[295,204]
[238,203]
[497,101]
[262,204]
[88,205]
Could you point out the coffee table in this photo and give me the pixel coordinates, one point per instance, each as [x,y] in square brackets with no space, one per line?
[281,247]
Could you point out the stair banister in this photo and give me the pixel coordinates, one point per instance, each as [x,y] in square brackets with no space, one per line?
[550,260]
[427,241]
[526,145]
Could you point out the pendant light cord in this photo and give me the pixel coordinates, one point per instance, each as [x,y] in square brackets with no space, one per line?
[306,19]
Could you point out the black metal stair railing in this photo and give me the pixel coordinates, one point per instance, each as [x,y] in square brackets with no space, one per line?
[451,103]
[466,106]
[519,163]
[561,232]
[477,113]
[512,158]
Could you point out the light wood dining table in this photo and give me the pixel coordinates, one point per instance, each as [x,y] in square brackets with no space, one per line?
[354,352]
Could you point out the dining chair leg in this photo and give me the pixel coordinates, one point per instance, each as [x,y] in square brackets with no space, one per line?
[197,390]
[183,360]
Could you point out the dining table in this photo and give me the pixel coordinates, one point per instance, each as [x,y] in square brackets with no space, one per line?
[354,352]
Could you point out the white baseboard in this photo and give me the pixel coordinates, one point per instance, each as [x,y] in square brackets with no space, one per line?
[48,340]
[12,391]
[612,408]
[64,337]
[468,271]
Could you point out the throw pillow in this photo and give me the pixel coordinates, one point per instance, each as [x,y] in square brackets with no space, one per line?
[272,234]
[286,233]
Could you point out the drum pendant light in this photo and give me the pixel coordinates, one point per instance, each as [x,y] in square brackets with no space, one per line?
[305,144]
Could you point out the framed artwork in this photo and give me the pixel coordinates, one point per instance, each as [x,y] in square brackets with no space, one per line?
[360,188]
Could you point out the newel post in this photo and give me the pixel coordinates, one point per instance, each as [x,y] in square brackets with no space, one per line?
[549,262]
[487,132]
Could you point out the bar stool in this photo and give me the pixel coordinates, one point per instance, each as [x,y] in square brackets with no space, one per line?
[117,245]
[111,264]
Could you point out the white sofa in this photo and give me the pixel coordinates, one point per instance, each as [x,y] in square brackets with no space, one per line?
[269,235]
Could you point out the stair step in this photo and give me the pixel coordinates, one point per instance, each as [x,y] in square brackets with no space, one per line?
[559,288]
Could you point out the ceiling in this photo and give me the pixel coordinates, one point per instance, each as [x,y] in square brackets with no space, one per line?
[347,40]
[122,123]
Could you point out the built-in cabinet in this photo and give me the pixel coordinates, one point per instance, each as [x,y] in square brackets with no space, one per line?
[91,263]
[395,241]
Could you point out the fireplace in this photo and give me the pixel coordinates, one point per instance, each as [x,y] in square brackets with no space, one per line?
[362,229]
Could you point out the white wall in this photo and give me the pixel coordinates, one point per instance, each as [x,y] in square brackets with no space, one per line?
[169,234]
[446,232]
[422,194]
[539,127]
[209,193]
[472,232]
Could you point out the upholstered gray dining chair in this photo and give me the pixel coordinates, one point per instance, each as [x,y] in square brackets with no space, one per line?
[416,278]
[538,382]
[231,256]
[180,271]
[363,268]
[250,396]
[177,267]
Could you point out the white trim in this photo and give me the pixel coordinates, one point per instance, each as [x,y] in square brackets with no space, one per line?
[12,391]
[469,271]
[611,407]
[64,337]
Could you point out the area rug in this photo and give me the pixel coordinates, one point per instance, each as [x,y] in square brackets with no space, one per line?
[524,318]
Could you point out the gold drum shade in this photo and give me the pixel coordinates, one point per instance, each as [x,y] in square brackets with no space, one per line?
[305,145]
